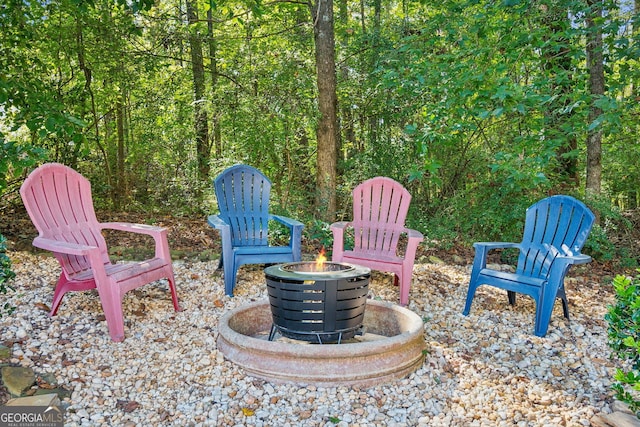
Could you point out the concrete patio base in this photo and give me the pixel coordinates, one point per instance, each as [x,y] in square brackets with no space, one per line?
[397,351]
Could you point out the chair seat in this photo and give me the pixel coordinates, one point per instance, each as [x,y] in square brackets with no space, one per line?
[512,277]
[370,256]
[125,270]
[261,250]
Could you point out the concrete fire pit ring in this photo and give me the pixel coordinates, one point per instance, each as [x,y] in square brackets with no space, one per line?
[399,352]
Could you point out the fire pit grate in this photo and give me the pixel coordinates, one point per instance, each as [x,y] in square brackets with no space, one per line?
[315,304]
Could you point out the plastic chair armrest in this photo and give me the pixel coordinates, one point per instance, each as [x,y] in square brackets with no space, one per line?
[495,245]
[150,230]
[217,222]
[482,250]
[414,238]
[63,247]
[159,235]
[337,229]
[573,259]
[289,222]
[295,230]
[340,225]
[414,235]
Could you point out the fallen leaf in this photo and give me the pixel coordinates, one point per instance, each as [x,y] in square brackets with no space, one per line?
[127,405]
[164,414]
[45,385]
[218,303]
[43,307]
[248,412]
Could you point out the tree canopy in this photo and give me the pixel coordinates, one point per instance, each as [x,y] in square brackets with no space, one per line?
[478,107]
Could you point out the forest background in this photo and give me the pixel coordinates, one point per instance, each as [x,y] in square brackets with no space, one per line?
[478,107]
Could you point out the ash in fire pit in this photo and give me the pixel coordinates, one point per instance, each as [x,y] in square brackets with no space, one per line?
[317,302]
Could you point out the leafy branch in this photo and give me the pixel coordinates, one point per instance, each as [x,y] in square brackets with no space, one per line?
[624,330]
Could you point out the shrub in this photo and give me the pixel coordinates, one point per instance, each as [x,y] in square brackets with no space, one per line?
[319,233]
[6,274]
[624,339]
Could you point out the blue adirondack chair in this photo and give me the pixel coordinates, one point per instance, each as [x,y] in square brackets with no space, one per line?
[555,230]
[243,194]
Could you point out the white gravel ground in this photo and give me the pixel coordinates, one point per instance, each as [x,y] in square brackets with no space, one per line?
[487,369]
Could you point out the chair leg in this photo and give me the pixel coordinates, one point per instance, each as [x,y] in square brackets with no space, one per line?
[512,297]
[112,306]
[116,328]
[544,308]
[65,285]
[404,283]
[61,289]
[230,271]
[565,304]
[403,280]
[565,308]
[172,287]
[471,292]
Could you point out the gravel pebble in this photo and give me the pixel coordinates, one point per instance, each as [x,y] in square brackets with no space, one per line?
[487,369]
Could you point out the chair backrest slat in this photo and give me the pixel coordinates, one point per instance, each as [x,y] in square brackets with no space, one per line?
[243,194]
[553,226]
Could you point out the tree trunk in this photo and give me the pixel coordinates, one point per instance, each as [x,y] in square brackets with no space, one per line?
[374,118]
[346,114]
[87,88]
[200,111]
[558,65]
[595,64]
[327,134]
[216,137]
[119,190]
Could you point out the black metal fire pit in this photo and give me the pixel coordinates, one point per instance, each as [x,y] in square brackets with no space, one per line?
[317,304]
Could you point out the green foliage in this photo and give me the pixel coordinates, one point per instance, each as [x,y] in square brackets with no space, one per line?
[474,115]
[319,234]
[32,115]
[599,246]
[14,159]
[610,240]
[624,339]
[279,234]
[6,274]
[483,216]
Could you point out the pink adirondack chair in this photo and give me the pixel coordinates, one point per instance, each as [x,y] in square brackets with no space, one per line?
[58,200]
[380,207]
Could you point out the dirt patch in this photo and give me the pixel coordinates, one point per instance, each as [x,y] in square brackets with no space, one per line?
[190,238]
[193,238]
